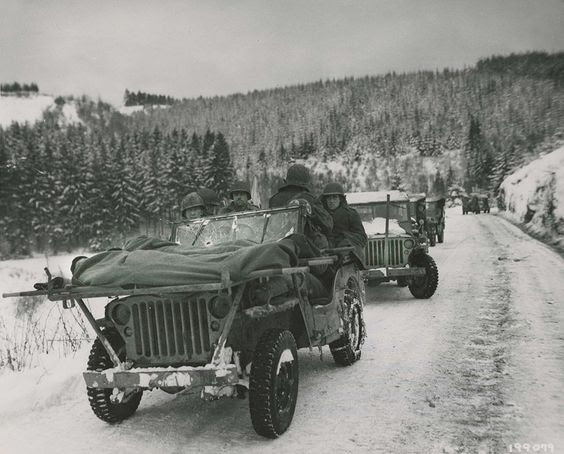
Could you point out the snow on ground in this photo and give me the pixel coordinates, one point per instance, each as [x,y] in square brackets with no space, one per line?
[70,113]
[534,195]
[31,108]
[128,110]
[32,329]
[23,109]
[476,368]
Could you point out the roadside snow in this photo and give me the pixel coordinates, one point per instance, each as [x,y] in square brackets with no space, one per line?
[34,330]
[534,195]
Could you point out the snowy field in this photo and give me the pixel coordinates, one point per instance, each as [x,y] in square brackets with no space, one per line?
[30,109]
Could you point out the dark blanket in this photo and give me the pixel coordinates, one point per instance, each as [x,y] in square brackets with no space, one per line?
[152,262]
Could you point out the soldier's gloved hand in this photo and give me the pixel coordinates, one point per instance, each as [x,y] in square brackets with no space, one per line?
[56,282]
[301,203]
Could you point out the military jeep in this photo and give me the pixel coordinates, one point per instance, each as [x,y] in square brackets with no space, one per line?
[397,248]
[483,203]
[219,312]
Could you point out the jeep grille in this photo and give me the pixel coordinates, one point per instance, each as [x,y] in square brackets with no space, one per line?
[375,252]
[169,330]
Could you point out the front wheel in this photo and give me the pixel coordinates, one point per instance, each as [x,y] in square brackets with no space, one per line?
[273,384]
[110,405]
[347,349]
[424,286]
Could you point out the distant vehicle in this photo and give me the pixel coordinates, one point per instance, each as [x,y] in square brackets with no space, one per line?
[397,248]
[435,224]
[475,203]
[483,203]
[470,204]
[223,334]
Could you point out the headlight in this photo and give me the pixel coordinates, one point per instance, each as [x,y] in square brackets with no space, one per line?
[220,306]
[121,314]
[408,244]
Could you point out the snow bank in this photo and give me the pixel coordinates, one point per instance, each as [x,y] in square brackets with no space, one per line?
[534,195]
[378,226]
[23,109]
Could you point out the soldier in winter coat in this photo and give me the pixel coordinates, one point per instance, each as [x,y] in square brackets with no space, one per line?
[240,195]
[347,225]
[297,186]
[212,202]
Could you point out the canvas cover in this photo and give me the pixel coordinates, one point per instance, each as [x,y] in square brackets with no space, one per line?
[146,261]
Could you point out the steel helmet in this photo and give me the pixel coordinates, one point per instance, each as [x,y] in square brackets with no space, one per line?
[192,200]
[240,186]
[333,189]
[209,197]
[298,175]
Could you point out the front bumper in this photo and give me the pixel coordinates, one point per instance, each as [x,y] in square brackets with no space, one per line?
[392,273]
[159,377]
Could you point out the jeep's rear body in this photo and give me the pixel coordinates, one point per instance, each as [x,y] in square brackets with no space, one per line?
[394,240]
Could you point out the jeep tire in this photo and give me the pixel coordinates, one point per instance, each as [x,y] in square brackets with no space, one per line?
[101,400]
[273,384]
[347,349]
[424,286]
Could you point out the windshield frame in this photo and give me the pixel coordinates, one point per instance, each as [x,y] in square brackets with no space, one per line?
[238,217]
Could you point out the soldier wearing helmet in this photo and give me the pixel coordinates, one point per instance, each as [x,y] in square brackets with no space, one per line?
[347,225]
[297,188]
[192,206]
[240,195]
[212,203]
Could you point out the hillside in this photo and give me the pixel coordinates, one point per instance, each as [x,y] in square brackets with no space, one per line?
[66,184]
[33,108]
[499,112]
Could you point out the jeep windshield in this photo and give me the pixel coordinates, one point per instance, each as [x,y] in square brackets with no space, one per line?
[373,218]
[257,226]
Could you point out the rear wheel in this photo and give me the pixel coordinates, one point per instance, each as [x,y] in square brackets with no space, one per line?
[347,349]
[110,405]
[273,385]
[424,286]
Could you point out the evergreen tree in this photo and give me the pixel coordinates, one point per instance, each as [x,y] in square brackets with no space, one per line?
[219,173]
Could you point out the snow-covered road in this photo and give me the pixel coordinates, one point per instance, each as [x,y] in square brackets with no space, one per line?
[476,368]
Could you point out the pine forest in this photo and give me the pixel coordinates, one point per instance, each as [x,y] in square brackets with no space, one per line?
[93,183]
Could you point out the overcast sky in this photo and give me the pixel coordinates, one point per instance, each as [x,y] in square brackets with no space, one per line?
[190,48]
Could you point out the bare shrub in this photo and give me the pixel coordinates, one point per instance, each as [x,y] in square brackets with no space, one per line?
[34,332]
